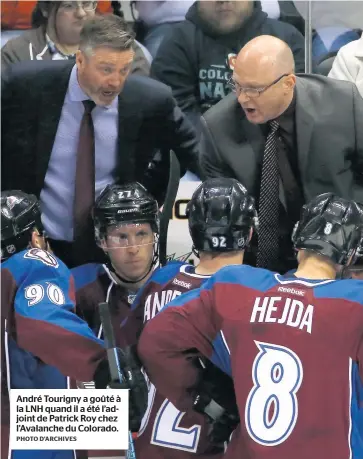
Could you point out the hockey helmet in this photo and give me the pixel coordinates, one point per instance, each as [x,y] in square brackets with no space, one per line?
[330,226]
[20,215]
[130,203]
[221,214]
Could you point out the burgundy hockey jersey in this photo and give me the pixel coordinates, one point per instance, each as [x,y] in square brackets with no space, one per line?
[166,432]
[294,348]
[94,285]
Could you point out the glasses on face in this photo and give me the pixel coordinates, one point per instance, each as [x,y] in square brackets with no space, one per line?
[73,6]
[252,92]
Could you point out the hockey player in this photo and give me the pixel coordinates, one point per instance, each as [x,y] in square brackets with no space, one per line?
[221,217]
[42,338]
[293,345]
[126,219]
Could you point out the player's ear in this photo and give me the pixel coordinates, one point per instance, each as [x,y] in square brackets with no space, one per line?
[103,245]
[38,241]
[48,248]
[250,235]
[300,256]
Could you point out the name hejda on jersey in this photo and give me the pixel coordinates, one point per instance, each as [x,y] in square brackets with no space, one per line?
[156,301]
[276,309]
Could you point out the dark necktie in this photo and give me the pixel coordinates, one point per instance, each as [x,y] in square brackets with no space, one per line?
[268,212]
[85,180]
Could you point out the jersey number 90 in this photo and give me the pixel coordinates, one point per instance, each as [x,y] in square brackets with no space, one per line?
[35,293]
[272,407]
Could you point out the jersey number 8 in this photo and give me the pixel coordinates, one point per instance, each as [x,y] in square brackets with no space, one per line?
[272,407]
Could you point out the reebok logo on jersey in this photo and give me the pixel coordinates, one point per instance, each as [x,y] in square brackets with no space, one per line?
[182,283]
[291,290]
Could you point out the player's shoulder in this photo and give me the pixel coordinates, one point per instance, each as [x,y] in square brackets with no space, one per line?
[244,276]
[33,261]
[164,274]
[345,289]
[340,289]
[87,274]
[183,299]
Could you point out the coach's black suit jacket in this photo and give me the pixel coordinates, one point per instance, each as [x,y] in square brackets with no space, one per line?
[149,120]
[329,129]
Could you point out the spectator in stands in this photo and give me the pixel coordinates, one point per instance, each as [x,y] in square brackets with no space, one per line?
[16,16]
[288,138]
[55,35]
[348,64]
[198,57]
[157,18]
[70,129]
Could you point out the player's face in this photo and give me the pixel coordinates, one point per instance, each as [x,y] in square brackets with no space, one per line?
[102,73]
[130,248]
[271,101]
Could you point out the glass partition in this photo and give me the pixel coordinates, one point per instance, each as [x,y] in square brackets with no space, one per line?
[329,25]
